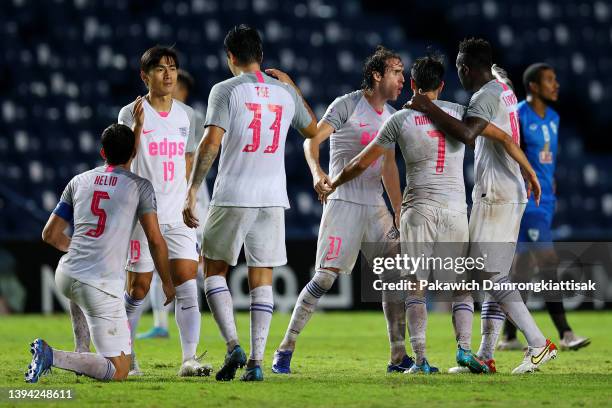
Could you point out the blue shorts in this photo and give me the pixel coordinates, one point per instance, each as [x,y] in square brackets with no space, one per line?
[536,228]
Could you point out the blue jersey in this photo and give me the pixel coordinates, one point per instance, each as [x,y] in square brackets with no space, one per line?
[539,141]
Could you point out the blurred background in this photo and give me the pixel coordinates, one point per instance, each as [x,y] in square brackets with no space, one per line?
[68,66]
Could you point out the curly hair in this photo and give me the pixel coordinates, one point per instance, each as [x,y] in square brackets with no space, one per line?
[477,51]
[376,62]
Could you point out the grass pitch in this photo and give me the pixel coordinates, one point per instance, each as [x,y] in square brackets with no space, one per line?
[340,361]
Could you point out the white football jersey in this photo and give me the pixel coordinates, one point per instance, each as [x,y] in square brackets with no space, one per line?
[106,202]
[497,176]
[355,124]
[434,161]
[255,110]
[165,138]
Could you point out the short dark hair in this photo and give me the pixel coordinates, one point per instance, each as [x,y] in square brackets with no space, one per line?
[376,62]
[244,43]
[118,143]
[477,51]
[428,71]
[186,79]
[533,73]
[154,55]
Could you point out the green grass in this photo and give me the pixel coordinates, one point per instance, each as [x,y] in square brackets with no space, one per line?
[340,361]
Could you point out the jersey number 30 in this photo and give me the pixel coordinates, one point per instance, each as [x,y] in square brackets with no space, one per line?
[99,212]
[255,126]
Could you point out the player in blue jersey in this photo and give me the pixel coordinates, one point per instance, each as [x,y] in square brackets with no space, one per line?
[539,127]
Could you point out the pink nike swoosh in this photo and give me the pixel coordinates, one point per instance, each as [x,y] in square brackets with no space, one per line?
[144,132]
[363,124]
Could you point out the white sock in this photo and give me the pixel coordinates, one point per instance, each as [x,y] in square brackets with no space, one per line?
[188,318]
[90,364]
[220,303]
[133,308]
[80,329]
[395,315]
[491,322]
[306,304]
[262,306]
[416,313]
[463,316]
[514,307]
[158,298]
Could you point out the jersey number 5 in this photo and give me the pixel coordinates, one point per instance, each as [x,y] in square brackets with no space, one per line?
[255,126]
[99,212]
[441,149]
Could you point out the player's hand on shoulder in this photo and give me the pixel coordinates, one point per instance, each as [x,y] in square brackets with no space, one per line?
[138,112]
[189,214]
[418,102]
[169,292]
[280,75]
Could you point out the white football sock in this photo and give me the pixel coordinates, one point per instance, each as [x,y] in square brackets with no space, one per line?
[90,364]
[416,313]
[188,319]
[80,329]
[306,304]
[158,298]
[133,308]
[463,317]
[491,322]
[262,306]
[220,303]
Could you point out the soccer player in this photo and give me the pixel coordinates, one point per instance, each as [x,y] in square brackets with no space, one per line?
[248,117]
[105,203]
[355,213]
[184,85]
[499,199]
[434,208]
[539,127]
[164,131]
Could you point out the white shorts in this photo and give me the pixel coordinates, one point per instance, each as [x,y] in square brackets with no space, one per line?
[494,230]
[181,241]
[434,232]
[105,315]
[260,230]
[345,227]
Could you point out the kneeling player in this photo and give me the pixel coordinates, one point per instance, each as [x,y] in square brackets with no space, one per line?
[105,204]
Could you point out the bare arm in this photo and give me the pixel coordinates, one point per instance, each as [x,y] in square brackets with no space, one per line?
[391,181]
[53,233]
[159,252]
[358,164]
[494,133]
[138,115]
[207,152]
[320,179]
[465,131]
[188,165]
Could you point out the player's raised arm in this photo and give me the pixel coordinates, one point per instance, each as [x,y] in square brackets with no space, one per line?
[207,152]
[465,131]
[533,184]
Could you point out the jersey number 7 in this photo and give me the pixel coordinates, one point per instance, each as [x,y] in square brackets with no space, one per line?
[441,149]
[96,210]
[255,126]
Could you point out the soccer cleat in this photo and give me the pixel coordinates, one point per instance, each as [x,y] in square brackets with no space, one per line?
[282,362]
[42,360]
[459,370]
[572,342]
[405,365]
[424,368]
[252,374]
[465,358]
[535,357]
[233,360]
[154,333]
[134,367]
[510,344]
[194,367]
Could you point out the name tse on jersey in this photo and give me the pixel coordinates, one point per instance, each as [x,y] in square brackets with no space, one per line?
[262,91]
[106,180]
